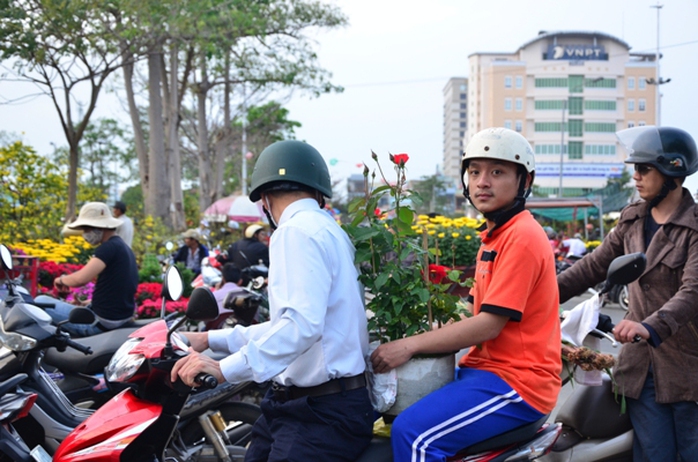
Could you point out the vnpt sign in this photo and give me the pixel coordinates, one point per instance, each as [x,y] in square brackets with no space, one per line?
[576,52]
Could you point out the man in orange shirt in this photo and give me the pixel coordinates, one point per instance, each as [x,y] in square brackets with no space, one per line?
[510,377]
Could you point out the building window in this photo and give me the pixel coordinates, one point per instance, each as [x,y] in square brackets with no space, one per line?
[641,123]
[462,115]
[507,81]
[507,124]
[576,83]
[507,104]
[603,83]
[518,126]
[631,124]
[549,104]
[631,105]
[575,105]
[575,149]
[560,82]
[463,105]
[462,125]
[641,83]
[600,149]
[600,127]
[461,134]
[576,127]
[462,96]
[641,105]
[592,105]
[519,82]
[549,149]
[463,87]
[519,104]
[547,127]
[631,83]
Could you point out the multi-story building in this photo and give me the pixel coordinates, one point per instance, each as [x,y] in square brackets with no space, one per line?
[567,93]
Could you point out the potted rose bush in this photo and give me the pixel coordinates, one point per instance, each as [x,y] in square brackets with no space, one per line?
[406,292]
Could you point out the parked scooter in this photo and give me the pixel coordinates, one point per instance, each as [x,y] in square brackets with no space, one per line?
[26,332]
[143,421]
[13,406]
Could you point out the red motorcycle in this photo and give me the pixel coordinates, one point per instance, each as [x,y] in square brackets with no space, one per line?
[142,422]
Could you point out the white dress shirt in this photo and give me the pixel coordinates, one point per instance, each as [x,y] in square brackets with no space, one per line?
[125,229]
[317,329]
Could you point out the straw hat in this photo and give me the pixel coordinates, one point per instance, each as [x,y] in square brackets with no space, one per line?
[191,234]
[251,230]
[95,215]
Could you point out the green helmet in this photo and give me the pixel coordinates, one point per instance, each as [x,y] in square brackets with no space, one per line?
[290,161]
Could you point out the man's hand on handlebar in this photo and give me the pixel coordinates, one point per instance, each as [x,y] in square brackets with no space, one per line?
[630,332]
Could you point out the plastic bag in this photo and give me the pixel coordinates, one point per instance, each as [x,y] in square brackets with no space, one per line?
[382,387]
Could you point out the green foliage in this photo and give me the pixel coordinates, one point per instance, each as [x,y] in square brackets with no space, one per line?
[435,195]
[393,260]
[150,270]
[31,203]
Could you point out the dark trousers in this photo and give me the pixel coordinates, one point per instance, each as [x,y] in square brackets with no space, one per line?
[335,427]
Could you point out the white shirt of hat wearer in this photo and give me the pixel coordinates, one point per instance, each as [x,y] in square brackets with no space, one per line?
[317,331]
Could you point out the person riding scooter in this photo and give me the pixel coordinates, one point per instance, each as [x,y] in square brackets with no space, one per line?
[510,376]
[114,266]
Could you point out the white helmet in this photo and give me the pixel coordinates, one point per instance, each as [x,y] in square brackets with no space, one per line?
[499,143]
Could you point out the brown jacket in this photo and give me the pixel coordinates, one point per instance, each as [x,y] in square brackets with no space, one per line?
[665,297]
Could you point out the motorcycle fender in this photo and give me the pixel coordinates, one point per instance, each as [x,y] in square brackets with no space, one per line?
[105,434]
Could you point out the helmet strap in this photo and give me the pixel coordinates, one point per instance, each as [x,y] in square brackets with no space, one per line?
[267,211]
[668,186]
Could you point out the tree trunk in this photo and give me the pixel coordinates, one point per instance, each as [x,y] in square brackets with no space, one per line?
[173,152]
[207,194]
[158,199]
[138,135]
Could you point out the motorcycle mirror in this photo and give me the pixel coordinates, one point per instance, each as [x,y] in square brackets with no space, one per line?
[202,305]
[625,269]
[6,257]
[173,285]
[81,315]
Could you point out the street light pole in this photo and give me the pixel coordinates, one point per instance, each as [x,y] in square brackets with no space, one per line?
[562,145]
[244,140]
[658,95]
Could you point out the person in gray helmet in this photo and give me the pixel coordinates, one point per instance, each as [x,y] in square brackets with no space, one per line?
[657,368]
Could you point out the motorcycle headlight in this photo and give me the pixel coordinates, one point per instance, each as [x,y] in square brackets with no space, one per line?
[14,341]
[123,365]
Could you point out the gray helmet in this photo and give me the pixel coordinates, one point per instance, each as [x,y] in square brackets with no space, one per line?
[290,162]
[670,150]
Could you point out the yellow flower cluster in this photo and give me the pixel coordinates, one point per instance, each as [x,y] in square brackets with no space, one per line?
[438,223]
[48,250]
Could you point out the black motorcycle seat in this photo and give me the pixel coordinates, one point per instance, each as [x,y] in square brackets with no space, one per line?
[103,346]
[522,433]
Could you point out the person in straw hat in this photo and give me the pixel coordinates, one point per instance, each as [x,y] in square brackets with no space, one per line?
[192,252]
[114,267]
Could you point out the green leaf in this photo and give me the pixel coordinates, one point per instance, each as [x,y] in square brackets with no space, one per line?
[381,280]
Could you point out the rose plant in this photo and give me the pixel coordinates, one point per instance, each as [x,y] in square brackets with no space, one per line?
[405,294]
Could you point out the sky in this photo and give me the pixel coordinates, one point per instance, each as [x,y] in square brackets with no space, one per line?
[395,57]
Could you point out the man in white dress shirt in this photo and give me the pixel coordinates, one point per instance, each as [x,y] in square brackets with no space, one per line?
[125,229]
[314,345]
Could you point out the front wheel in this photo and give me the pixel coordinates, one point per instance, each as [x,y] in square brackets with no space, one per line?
[623,298]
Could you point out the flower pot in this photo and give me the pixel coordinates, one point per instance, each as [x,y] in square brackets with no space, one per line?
[417,378]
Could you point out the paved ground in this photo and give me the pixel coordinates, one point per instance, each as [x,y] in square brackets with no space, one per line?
[616,313]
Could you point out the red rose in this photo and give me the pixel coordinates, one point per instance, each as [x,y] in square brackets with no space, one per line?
[437,273]
[401,159]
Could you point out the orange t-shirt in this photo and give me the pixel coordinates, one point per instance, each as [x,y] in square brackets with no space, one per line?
[515,277]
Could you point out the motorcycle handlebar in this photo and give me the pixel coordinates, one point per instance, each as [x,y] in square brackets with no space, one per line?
[80,347]
[206,381]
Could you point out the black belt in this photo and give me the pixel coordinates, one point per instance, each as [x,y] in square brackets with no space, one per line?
[331,387]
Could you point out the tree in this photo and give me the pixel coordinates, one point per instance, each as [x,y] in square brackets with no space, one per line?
[435,194]
[64,49]
[33,191]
